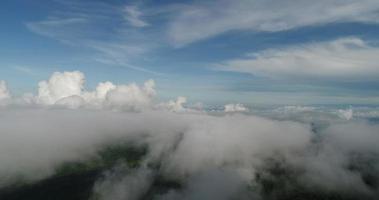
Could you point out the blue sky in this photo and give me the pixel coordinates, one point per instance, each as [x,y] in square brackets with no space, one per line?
[253,52]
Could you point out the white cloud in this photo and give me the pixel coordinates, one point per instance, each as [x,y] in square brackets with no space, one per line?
[345,114]
[214,184]
[67,89]
[294,109]
[119,54]
[235,108]
[175,106]
[210,18]
[35,141]
[131,97]
[60,85]
[343,58]
[206,153]
[4,92]
[122,183]
[101,91]
[75,25]
[72,102]
[180,105]
[133,16]
[354,137]
[53,27]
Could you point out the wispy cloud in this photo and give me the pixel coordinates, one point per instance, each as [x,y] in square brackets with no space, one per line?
[112,33]
[133,16]
[24,69]
[341,59]
[210,18]
[65,30]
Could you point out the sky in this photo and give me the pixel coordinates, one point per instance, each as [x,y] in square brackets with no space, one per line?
[217,52]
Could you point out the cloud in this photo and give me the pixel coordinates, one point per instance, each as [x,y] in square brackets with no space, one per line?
[344,146]
[4,92]
[344,136]
[60,85]
[215,184]
[211,18]
[67,89]
[77,26]
[122,183]
[175,105]
[131,96]
[346,114]
[209,155]
[345,59]
[72,102]
[38,140]
[101,91]
[235,108]
[294,109]
[54,27]
[119,54]
[133,16]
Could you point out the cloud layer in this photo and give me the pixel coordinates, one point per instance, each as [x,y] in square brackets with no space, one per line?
[203,152]
[341,59]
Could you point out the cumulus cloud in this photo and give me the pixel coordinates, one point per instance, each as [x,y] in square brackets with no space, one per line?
[131,96]
[211,18]
[98,96]
[339,59]
[68,89]
[72,102]
[175,105]
[60,85]
[235,108]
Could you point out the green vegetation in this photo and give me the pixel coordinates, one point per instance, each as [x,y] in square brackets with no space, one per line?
[278,180]
[74,180]
[105,158]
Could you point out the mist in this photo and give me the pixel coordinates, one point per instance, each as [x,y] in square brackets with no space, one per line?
[133,147]
[203,152]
